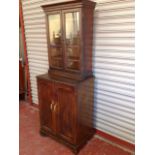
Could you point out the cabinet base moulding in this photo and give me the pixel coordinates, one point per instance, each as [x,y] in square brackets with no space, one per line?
[75,148]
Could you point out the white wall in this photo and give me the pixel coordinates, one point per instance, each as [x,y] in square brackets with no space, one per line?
[113,61]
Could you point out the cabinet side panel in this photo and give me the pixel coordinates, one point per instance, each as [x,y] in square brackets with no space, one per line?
[85,109]
[44,92]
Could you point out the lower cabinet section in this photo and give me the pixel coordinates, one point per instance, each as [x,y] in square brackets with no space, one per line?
[66,110]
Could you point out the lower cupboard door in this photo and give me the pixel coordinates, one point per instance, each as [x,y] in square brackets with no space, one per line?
[46,104]
[67,112]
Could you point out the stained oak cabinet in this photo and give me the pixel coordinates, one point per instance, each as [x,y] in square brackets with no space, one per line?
[66,91]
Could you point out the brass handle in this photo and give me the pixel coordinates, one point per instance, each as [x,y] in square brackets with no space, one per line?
[51,106]
[55,106]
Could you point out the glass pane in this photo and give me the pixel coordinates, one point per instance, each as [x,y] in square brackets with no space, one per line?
[72,40]
[55,40]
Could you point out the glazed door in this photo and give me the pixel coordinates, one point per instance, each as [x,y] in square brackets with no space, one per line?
[67,112]
[64,29]
[55,40]
[72,38]
[47,106]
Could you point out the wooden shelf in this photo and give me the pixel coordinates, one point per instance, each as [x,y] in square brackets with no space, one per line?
[73,57]
[73,46]
[74,60]
[56,57]
[56,46]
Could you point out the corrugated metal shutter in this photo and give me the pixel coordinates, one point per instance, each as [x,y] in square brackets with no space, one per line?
[113,61]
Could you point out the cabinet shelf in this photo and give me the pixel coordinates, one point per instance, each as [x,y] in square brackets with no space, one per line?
[71,58]
[56,46]
[56,57]
[73,46]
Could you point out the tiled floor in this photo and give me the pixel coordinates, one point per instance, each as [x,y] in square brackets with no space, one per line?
[31,143]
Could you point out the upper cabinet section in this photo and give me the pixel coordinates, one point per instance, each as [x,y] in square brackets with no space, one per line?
[64,40]
[70,35]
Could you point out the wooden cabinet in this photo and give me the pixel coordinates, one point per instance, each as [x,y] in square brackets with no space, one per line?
[66,91]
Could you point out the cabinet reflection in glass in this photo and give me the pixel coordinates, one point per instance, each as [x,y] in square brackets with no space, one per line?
[54,29]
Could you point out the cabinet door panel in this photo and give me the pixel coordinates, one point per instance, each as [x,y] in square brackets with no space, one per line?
[55,41]
[46,105]
[67,112]
[72,39]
